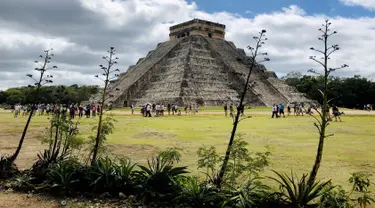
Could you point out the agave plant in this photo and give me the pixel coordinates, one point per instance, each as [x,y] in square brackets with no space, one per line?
[102,175]
[124,175]
[62,176]
[158,179]
[297,192]
[195,194]
[247,195]
[40,167]
[23,182]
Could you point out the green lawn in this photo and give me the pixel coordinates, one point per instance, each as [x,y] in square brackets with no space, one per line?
[293,140]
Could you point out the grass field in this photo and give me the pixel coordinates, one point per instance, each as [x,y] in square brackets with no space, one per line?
[292,140]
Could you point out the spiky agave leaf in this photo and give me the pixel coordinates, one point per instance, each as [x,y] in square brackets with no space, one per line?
[297,192]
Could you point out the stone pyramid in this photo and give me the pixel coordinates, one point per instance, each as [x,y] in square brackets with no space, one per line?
[198,64]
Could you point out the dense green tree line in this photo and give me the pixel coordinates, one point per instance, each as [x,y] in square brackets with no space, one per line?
[48,94]
[352,92]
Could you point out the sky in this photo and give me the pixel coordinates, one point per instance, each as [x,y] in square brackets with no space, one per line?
[81,31]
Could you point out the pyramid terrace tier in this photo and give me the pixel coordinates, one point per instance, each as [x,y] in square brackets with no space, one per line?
[196,67]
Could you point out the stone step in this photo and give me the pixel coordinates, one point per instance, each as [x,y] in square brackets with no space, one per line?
[230,55]
[137,72]
[167,76]
[204,66]
[200,52]
[176,61]
[200,77]
[180,52]
[202,57]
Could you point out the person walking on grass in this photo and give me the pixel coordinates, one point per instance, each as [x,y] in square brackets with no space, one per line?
[93,108]
[274,111]
[226,110]
[148,110]
[132,108]
[288,108]
[281,110]
[162,109]
[336,113]
[17,109]
[169,108]
[72,111]
[196,108]
[328,113]
[231,110]
[80,111]
[88,111]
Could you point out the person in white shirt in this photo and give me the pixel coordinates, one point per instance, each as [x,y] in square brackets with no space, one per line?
[148,110]
[17,109]
[274,111]
[132,108]
[162,109]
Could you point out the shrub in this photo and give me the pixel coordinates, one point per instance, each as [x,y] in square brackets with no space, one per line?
[125,173]
[62,138]
[7,167]
[335,197]
[158,180]
[195,194]
[23,182]
[248,194]
[63,176]
[296,192]
[112,176]
[360,185]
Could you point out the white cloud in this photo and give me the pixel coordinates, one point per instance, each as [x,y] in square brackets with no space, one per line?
[368,4]
[293,9]
[135,27]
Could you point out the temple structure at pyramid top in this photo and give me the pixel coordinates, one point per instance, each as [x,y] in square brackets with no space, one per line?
[198,64]
[197,27]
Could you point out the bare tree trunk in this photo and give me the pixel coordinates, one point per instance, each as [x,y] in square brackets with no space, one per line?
[220,177]
[18,150]
[98,134]
[324,122]
[96,147]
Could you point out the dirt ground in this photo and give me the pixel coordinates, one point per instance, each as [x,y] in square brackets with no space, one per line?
[16,200]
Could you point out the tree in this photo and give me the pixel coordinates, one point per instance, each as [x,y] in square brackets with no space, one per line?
[43,79]
[251,62]
[351,92]
[292,78]
[107,71]
[71,94]
[322,121]
[3,97]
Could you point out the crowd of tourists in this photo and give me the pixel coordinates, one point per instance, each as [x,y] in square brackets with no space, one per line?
[299,110]
[278,110]
[152,109]
[72,110]
[149,110]
[240,109]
